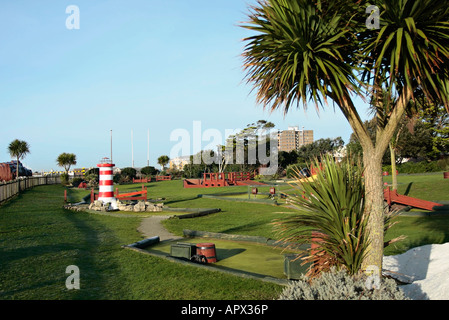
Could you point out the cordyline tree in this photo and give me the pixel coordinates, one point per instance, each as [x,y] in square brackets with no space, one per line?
[18,149]
[66,160]
[327,51]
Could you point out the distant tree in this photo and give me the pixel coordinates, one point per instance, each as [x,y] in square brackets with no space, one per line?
[18,149]
[246,143]
[318,148]
[129,172]
[66,160]
[163,160]
[286,158]
[436,119]
[149,170]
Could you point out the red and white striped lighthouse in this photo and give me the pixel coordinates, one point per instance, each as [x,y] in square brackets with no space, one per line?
[106,192]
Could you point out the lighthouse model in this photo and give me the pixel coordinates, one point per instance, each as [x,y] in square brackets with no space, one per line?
[106,192]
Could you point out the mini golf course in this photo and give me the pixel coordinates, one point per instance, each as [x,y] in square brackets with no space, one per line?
[245,256]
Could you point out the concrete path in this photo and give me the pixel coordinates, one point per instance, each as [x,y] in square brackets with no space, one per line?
[152,226]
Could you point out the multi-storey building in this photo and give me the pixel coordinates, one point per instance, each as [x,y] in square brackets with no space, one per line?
[179,162]
[293,138]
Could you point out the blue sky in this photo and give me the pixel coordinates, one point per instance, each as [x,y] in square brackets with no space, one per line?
[131,66]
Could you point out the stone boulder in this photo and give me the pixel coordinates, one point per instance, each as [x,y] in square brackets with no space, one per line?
[139,206]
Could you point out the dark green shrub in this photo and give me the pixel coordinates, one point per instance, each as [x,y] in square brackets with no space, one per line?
[443,164]
[64,178]
[76,181]
[149,171]
[418,167]
[129,172]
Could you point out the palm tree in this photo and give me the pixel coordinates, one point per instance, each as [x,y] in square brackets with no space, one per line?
[18,149]
[319,50]
[332,219]
[163,160]
[66,160]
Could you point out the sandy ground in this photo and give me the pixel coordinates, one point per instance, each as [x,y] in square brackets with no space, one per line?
[428,268]
[151,227]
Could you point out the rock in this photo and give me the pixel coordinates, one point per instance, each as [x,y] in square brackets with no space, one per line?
[139,207]
[129,208]
[98,203]
[151,207]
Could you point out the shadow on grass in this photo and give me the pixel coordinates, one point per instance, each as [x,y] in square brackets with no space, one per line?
[407,191]
[93,268]
[223,254]
[41,240]
[180,200]
[245,227]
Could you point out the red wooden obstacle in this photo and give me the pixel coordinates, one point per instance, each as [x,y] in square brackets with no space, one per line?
[143,180]
[392,196]
[93,196]
[163,178]
[136,195]
[222,179]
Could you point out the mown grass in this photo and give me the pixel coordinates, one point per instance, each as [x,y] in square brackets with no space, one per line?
[39,240]
[430,186]
[420,230]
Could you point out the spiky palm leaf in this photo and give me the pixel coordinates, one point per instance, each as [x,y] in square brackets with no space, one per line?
[300,52]
[411,49]
[330,216]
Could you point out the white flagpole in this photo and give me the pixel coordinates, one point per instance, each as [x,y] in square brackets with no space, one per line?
[132,149]
[148,150]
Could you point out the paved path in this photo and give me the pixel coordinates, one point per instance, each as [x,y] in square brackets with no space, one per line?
[152,226]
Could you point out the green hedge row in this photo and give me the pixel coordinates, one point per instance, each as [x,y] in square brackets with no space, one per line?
[419,167]
[407,167]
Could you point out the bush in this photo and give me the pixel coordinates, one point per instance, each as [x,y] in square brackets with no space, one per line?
[339,285]
[129,172]
[76,181]
[444,164]
[64,178]
[149,171]
[92,180]
[418,167]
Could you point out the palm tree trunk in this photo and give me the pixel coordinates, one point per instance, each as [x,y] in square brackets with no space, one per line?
[374,209]
[393,167]
[17,168]
[372,160]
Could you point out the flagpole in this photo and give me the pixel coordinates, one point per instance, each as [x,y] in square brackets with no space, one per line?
[148,150]
[132,149]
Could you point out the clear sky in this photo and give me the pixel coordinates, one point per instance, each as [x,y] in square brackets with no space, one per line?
[132,66]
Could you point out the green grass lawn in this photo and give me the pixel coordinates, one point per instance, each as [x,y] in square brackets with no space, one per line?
[39,239]
[431,186]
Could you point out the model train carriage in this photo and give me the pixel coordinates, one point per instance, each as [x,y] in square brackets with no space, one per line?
[8,170]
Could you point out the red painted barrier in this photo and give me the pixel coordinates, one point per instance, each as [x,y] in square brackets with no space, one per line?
[392,196]
[163,178]
[136,195]
[143,180]
[222,179]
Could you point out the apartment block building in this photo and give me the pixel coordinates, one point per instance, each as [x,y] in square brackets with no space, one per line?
[293,138]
